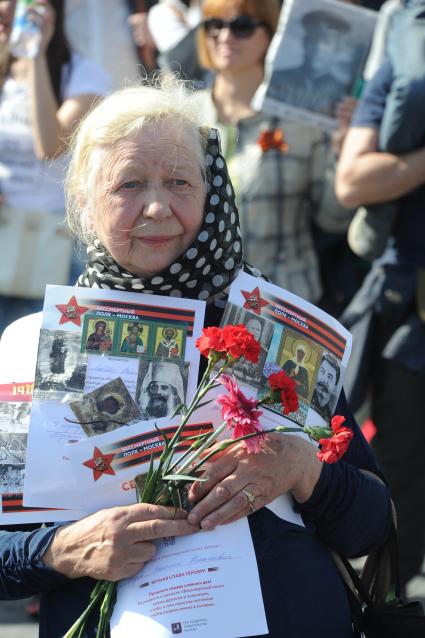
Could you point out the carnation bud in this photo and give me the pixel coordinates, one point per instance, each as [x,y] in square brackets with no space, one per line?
[319,432]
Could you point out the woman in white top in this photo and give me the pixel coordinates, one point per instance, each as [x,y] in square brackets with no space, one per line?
[41,101]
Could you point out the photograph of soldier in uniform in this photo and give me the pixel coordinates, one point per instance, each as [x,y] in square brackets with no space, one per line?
[325,391]
[61,367]
[313,85]
[161,388]
[262,329]
[169,342]
[320,56]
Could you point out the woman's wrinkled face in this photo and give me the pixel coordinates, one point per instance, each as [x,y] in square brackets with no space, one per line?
[229,53]
[150,198]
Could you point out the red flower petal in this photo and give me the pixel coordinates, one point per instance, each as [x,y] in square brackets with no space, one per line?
[337,422]
[241,414]
[334,448]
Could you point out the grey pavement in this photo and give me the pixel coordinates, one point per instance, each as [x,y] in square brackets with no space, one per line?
[15,623]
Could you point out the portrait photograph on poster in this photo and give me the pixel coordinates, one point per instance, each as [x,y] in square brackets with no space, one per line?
[327,388]
[161,387]
[61,367]
[315,60]
[245,371]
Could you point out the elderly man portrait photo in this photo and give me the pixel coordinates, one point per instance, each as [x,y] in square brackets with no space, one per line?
[161,388]
[326,385]
[325,75]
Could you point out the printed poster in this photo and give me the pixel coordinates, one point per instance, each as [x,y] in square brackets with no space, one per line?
[106,359]
[315,60]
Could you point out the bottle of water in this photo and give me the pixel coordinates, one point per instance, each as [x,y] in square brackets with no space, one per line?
[25,38]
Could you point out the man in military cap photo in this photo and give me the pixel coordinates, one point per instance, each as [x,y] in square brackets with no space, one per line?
[325,76]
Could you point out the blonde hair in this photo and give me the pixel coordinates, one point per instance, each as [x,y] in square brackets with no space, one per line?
[266,11]
[117,117]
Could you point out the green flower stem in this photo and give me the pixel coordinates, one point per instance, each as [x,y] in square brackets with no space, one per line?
[193,447]
[80,623]
[106,609]
[204,387]
[203,447]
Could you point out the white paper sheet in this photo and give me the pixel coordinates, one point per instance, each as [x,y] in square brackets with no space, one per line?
[204,585]
[127,451]
[67,369]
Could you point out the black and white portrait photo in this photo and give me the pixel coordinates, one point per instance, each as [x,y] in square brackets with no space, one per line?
[61,367]
[317,56]
[262,329]
[326,390]
[161,388]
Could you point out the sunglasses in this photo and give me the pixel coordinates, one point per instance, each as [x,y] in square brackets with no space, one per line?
[240,27]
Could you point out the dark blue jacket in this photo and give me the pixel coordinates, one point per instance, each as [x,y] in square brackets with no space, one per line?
[303,593]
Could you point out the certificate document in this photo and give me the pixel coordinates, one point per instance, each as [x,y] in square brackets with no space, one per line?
[204,585]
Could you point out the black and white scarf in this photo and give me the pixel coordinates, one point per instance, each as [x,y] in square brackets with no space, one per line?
[206,268]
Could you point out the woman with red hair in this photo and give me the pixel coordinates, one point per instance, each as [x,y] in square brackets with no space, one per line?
[278,167]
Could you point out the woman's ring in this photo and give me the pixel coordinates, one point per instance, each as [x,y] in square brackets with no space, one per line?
[251,499]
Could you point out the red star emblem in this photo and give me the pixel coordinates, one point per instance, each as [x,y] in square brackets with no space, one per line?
[254,300]
[100,464]
[71,311]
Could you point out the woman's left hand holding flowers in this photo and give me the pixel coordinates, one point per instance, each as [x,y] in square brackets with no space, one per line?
[287,464]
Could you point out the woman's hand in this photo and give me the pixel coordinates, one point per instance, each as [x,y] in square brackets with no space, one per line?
[288,464]
[44,16]
[114,543]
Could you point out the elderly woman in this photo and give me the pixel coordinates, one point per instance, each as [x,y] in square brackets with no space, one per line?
[148,190]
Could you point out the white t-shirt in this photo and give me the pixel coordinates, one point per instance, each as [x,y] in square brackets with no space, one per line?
[18,350]
[25,181]
[165,25]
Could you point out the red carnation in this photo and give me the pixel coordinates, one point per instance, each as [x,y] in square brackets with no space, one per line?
[280,382]
[336,422]
[332,449]
[239,342]
[210,341]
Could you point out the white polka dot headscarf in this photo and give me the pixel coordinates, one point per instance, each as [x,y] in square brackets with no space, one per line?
[206,268]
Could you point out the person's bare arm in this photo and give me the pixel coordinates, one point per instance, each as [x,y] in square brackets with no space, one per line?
[366,176]
[51,124]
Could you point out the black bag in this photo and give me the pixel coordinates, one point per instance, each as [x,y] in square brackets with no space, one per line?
[378,608]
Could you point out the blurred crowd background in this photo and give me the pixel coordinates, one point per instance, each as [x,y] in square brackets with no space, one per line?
[337,218]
